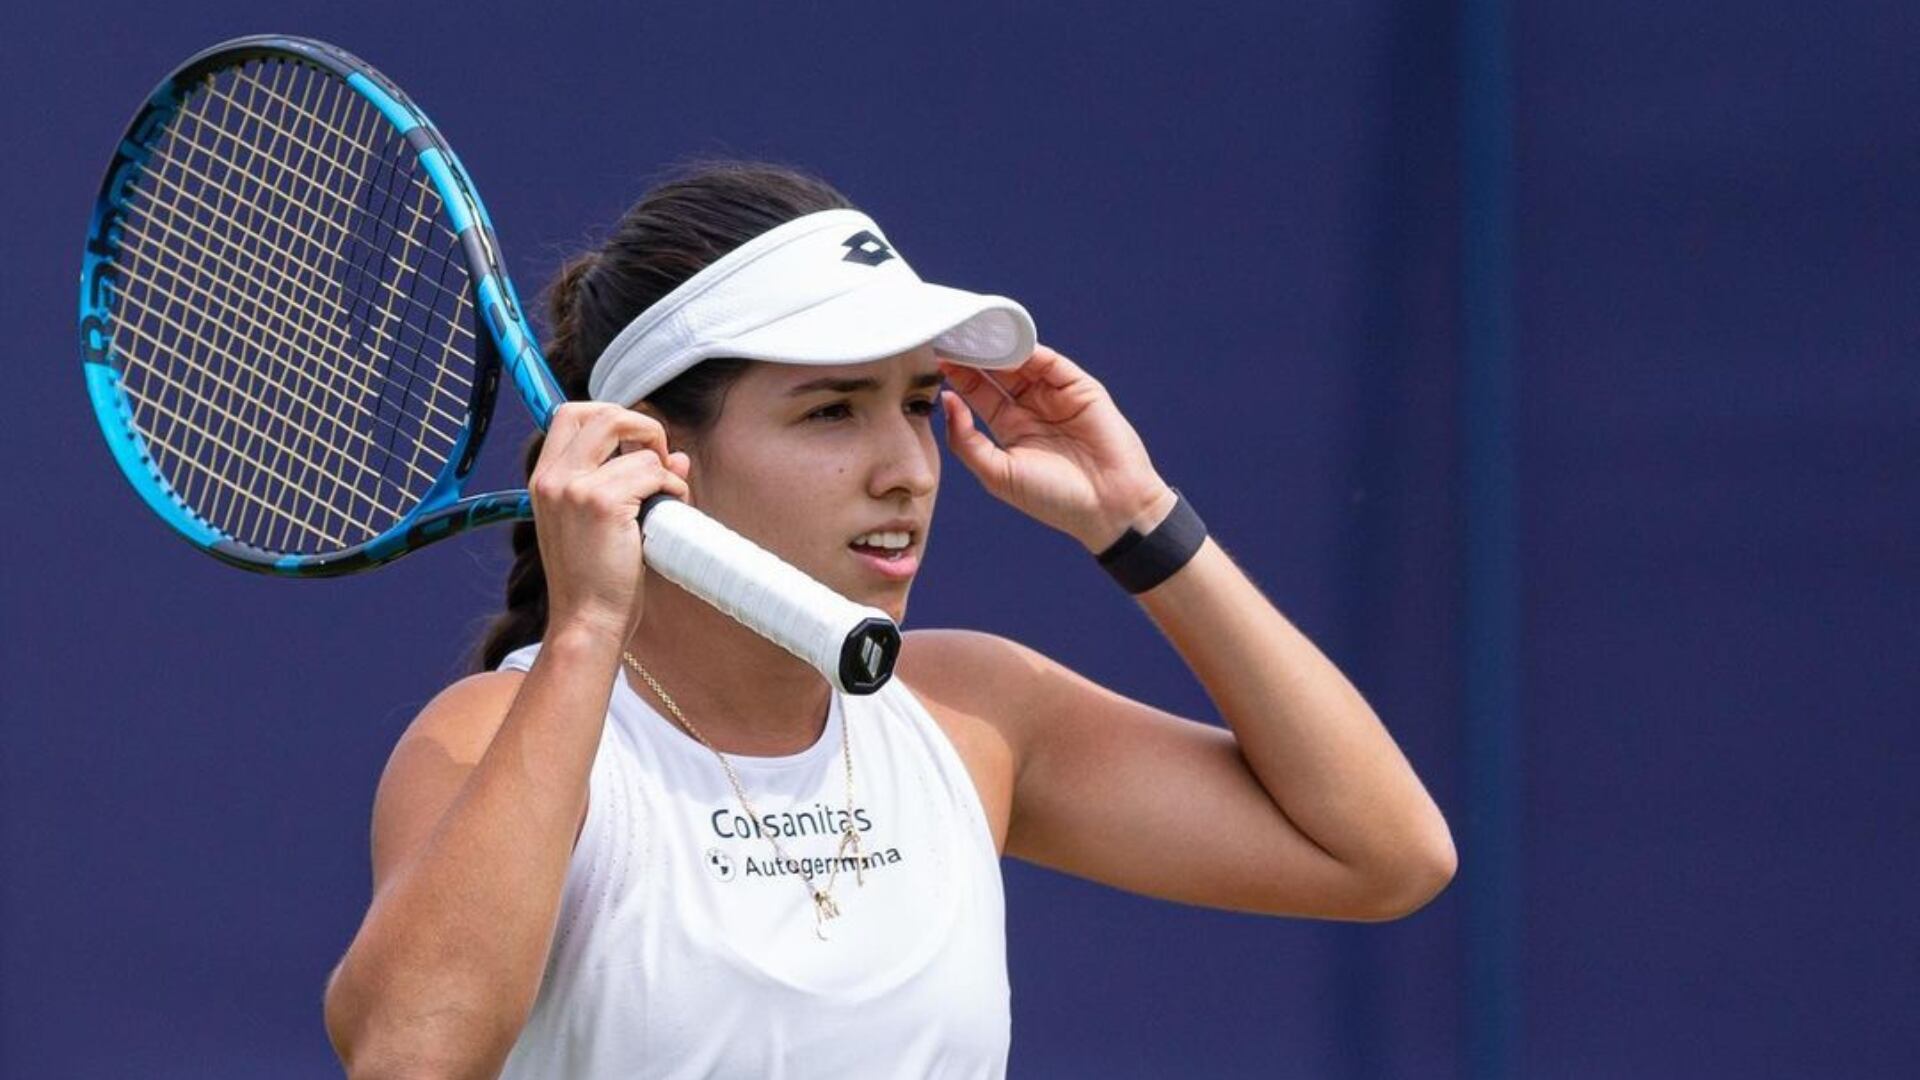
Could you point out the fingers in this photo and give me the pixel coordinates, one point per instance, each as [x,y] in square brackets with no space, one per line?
[968,443]
[583,435]
[1045,384]
[562,426]
[968,379]
[982,392]
[1053,369]
[1043,366]
[599,464]
[612,490]
[625,482]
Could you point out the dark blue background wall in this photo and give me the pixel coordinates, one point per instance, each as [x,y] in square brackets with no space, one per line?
[1686,828]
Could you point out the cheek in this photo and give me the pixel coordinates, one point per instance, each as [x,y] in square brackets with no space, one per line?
[782,485]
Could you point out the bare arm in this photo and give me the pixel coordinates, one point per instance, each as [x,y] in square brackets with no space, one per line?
[1307,735]
[480,805]
[470,859]
[1308,807]
[1305,807]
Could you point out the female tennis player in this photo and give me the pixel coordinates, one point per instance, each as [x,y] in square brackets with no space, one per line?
[644,841]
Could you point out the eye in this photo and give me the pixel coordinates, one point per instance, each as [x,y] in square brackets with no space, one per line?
[923,408]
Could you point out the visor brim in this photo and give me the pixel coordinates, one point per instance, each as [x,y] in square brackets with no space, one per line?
[890,318]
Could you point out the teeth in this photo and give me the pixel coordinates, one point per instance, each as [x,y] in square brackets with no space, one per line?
[884,540]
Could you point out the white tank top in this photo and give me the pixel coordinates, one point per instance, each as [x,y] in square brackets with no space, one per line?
[685,948]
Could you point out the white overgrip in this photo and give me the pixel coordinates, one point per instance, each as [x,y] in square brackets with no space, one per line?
[755,587]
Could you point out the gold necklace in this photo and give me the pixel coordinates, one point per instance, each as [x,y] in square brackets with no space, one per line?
[824,907]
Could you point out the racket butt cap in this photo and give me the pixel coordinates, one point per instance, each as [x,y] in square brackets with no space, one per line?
[867,656]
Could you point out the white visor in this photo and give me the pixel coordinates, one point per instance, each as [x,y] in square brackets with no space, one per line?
[826,288]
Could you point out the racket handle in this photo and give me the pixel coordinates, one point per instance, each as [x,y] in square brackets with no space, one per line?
[853,645]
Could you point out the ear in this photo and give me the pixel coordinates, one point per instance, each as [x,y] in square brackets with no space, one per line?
[676,439]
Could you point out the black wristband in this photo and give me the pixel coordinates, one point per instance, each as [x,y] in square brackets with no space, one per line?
[1139,562]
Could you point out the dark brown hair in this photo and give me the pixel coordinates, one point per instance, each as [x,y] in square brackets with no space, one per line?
[672,233]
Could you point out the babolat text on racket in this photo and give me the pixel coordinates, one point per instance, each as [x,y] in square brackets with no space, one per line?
[294,316]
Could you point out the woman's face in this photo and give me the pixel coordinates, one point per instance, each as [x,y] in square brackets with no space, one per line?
[806,459]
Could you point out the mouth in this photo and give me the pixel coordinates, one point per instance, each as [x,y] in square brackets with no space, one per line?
[883,553]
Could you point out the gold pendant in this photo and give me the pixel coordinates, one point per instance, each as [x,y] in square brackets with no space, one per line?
[823,909]
[849,838]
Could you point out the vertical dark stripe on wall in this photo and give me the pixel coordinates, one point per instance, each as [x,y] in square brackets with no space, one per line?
[1490,832]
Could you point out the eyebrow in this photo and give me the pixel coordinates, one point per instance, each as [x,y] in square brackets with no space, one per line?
[851,386]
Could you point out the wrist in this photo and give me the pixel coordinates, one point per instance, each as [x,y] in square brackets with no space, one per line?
[1141,515]
[586,635]
[1141,560]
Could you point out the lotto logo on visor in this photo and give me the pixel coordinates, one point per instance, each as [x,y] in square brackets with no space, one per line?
[864,247]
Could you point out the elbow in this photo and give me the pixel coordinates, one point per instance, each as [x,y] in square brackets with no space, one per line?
[348,1022]
[375,1043]
[340,1022]
[399,1059]
[1417,880]
[1436,874]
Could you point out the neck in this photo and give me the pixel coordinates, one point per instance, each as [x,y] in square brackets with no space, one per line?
[743,692]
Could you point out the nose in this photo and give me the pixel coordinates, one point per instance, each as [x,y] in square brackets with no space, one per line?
[905,459]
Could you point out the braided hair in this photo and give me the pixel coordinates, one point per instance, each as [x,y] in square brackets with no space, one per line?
[673,232]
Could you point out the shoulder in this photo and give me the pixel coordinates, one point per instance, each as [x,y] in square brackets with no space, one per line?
[463,718]
[981,675]
[433,759]
[967,667]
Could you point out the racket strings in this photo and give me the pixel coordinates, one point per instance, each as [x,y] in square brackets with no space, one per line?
[183,417]
[212,442]
[416,201]
[279,331]
[330,275]
[175,236]
[419,181]
[227,316]
[294,318]
[285,327]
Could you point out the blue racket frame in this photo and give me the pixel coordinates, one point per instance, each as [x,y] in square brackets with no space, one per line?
[509,338]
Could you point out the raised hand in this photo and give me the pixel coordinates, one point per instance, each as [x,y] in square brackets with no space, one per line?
[1066,457]
[600,462]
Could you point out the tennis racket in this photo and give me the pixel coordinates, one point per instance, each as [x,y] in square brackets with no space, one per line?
[294,315]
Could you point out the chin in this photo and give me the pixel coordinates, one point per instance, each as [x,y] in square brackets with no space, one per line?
[891,599]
